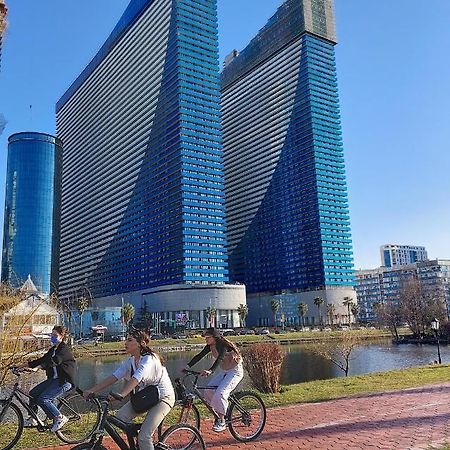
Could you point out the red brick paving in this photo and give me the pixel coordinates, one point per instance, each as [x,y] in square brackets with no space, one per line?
[411,419]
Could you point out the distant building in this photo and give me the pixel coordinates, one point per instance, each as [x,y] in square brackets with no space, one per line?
[143,202]
[286,192]
[3,13]
[31,231]
[393,255]
[384,285]
[33,318]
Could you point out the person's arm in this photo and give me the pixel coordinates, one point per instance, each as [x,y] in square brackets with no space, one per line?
[129,387]
[41,362]
[100,386]
[119,373]
[199,356]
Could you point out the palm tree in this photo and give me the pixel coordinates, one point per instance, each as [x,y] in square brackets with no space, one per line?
[81,305]
[331,311]
[348,302]
[211,315]
[128,313]
[318,301]
[274,306]
[355,310]
[302,310]
[243,313]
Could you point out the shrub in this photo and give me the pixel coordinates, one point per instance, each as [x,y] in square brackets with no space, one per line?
[263,364]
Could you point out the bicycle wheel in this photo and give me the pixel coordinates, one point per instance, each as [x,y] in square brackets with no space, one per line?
[246,416]
[180,414]
[11,425]
[83,418]
[181,437]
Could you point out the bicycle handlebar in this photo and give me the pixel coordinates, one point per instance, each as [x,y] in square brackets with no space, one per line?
[191,372]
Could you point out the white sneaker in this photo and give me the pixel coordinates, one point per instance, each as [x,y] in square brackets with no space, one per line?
[58,423]
[219,426]
[30,422]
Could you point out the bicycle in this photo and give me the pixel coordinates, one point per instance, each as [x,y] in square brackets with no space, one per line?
[245,416]
[178,437]
[79,428]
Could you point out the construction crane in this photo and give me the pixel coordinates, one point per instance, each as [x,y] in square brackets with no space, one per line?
[3,23]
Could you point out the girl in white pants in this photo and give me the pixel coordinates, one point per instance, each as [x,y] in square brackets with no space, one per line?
[228,361]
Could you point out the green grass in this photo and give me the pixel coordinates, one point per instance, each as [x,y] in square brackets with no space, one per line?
[299,336]
[315,391]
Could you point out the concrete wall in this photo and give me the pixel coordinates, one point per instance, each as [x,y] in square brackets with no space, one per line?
[192,299]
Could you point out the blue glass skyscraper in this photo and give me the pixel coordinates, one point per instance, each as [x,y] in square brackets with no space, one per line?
[286,194]
[32,211]
[143,207]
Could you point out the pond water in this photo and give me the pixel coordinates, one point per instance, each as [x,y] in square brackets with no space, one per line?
[299,365]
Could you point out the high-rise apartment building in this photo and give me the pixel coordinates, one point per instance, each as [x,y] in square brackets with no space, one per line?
[32,211]
[394,255]
[143,208]
[286,194]
[3,12]
[384,285]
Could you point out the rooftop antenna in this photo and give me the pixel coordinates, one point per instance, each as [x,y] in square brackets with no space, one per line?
[31,117]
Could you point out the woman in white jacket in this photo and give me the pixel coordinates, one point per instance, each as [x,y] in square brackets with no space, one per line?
[141,369]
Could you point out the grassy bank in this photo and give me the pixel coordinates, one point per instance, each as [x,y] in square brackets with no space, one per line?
[299,337]
[315,391]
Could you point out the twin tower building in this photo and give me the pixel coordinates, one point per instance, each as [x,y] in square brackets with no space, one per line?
[183,188]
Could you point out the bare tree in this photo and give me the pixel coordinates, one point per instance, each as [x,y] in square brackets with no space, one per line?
[389,315]
[263,363]
[419,305]
[338,351]
[14,323]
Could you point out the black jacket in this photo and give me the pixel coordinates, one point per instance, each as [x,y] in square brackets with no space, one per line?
[63,361]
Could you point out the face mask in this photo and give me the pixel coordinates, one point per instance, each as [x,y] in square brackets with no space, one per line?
[54,339]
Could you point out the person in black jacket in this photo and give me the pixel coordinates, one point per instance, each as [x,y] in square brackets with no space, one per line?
[228,360]
[60,367]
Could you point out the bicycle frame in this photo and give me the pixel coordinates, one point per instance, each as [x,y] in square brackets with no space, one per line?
[197,391]
[17,393]
[106,426]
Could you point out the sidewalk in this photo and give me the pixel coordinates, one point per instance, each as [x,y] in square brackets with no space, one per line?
[411,419]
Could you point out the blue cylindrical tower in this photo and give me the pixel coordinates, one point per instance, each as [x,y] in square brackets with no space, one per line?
[32,210]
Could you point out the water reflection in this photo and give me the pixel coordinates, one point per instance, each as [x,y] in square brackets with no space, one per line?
[300,364]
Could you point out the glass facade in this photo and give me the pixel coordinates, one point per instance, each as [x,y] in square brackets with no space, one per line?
[143,201]
[286,194]
[32,211]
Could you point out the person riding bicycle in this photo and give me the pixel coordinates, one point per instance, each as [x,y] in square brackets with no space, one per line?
[143,368]
[60,367]
[229,361]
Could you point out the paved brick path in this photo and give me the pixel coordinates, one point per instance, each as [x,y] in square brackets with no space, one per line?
[411,419]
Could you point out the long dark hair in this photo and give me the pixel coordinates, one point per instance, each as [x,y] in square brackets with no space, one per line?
[221,340]
[143,339]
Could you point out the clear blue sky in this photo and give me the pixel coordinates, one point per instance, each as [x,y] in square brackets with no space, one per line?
[394,79]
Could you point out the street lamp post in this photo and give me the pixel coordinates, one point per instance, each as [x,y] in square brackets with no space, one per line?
[435,328]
